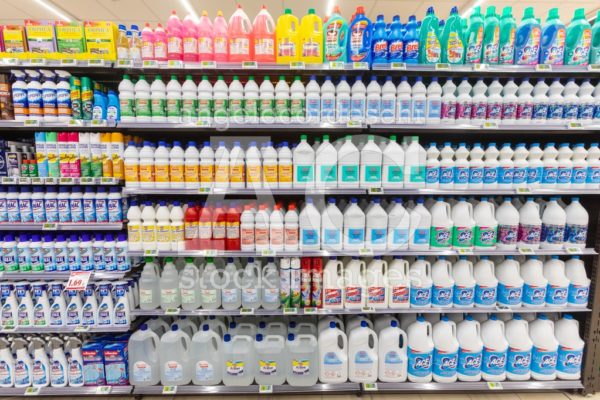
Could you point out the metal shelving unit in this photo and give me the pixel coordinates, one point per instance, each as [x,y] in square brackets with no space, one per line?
[348,387]
[63,226]
[58,276]
[65,329]
[243,191]
[13,180]
[68,391]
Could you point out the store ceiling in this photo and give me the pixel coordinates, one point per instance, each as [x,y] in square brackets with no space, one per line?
[154,11]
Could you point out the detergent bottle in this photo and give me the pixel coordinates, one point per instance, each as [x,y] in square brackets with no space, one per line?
[495,346]
[395,41]
[534,286]
[486,283]
[518,357]
[379,44]
[510,283]
[263,37]
[508,29]
[544,355]
[552,45]
[333,355]
[445,352]
[360,34]
[411,41]
[595,47]
[452,44]
[530,225]
[579,40]
[441,225]
[468,334]
[464,224]
[335,37]
[429,41]
[486,225]
[528,37]
[363,354]
[420,351]
[580,283]
[288,40]
[239,34]
[443,283]
[474,37]
[311,38]
[570,348]
[421,283]
[464,283]
[491,36]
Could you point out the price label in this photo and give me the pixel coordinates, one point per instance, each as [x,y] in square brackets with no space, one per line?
[9,328]
[209,253]
[50,181]
[169,390]
[68,62]
[398,66]
[66,181]
[246,311]
[375,190]
[265,389]
[149,64]
[31,122]
[369,387]
[575,125]
[290,311]
[249,65]
[50,226]
[465,252]
[368,309]
[32,391]
[523,190]
[502,308]
[337,65]
[75,122]
[86,181]
[204,190]
[125,63]
[360,65]
[96,63]
[297,65]
[78,280]
[24,181]
[204,124]
[208,64]
[268,253]
[151,253]
[36,62]
[442,67]
[98,122]
[593,67]
[81,329]
[354,124]
[490,125]
[172,311]
[574,250]
[103,390]
[174,64]
[10,61]
[365,252]
[9,180]
[36,181]
[108,181]
[480,67]
[543,68]
[310,310]
[526,251]
[494,385]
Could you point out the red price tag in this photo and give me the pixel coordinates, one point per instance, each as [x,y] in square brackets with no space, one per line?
[78,280]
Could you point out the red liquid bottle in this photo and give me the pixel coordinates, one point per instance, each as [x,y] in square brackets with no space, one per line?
[232,240]
[190,224]
[219,228]
[205,224]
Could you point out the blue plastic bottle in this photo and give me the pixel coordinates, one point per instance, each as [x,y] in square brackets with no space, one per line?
[395,41]
[527,43]
[380,42]
[99,110]
[552,45]
[359,40]
[113,111]
[411,41]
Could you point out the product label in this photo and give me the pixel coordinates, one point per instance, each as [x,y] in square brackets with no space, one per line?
[569,360]
[432,175]
[463,296]
[552,234]
[441,296]
[461,175]
[400,236]
[528,54]
[417,174]
[446,175]
[309,237]
[530,234]
[556,295]
[509,295]
[505,175]
[441,237]
[420,297]
[400,295]
[332,365]
[419,364]
[576,234]
[493,362]
[578,294]
[355,236]
[490,175]
[485,295]
[485,236]
[332,236]
[518,362]
[444,364]
[534,295]
[543,362]
[462,236]
[304,173]
[421,236]
[469,363]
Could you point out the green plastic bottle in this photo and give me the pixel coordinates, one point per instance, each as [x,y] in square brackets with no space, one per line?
[595,50]
[429,41]
[508,29]
[579,40]
[453,46]
[474,37]
[491,36]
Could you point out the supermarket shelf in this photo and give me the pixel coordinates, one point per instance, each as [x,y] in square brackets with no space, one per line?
[531,128]
[239,127]
[243,191]
[440,68]
[65,329]
[73,125]
[476,386]
[59,276]
[67,391]
[252,389]
[364,310]
[13,180]
[363,253]
[66,226]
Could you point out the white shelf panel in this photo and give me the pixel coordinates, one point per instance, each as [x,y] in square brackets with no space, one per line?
[65,226]
[57,276]
[69,391]
[65,329]
[252,389]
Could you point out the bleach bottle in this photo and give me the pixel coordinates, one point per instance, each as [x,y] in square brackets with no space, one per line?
[474,37]
[468,334]
[445,352]
[544,355]
[420,351]
[552,45]
[464,283]
[363,354]
[579,40]
[453,46]
[395,41]
[486,285]
[534,286]
[579,286]
[486,225]
[528,37]
[518,357]
[393,360]
[429,42]
[510,283]
[441,225]
[570,348]
[464,224]
[443,283]
[558,283]
[508,29]
[495,346]
[360,37]
[411,41]
[333,355]
[379,44]
[335,37]
[421,283]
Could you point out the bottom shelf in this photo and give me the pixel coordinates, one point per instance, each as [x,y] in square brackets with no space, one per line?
[67,391]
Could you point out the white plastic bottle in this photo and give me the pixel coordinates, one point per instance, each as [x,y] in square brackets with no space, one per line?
[570,348]
[403,102]
[555,101]
[205,101]
[388,101]
[432,166]
[420,225]
[373,101]
[419,102]
[486,225]
[358,101]
[326,164]
[509,102]
[464,102]
[282,101]
[415,159]
[420,351]
[310,227]
[518,357]
[297,102]
[525,102]
[392,354]
[530,225]
[447,167]
[544,355]
[174,357]
[461,167]
[445,352]
[495,346]
[434,102]
[333,355]
[398,227]
[505,167]
[448,112]
[313,101]
[468,334]
[354,227]
[480,101]
[303,161]
[363,354]
[393,165]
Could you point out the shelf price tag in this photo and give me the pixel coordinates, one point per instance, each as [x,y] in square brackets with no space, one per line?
[375,190]
[265,389]
[50,226]
[169,390]
[204,190]
[268,253]
[204,124]
[465,252]
[494,386]
[250,65]
[297,65]
[98,122]
[593,67]
[68,62]
[36,62]
[543,68]
[150,64]
[442,67]
[398,66]
[96,63]
[172,311]
[290,311]
[209,253]
[208,64]
[36,181]
[75,122]
[151,253]
[523,190]
[66,181]
[526,251]
[81,329]
[31,122]
[337,65]
[50,181]
[353,124]
[480,67]
[174,64]
[32,391]
[103,390]
[490,125]
[369,387]
[10,61]
[9,180]
[24,180]
[575,125]
[309,310]
[368,309]
[107,181]
[360,65]
[365,252]
[573,250]
[124,63]
[246,311]
[78,280]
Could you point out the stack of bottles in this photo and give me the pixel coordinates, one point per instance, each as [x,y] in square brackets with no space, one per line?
[63,253]
[57,96]
[79,154]
[300,352]
[340,225]
[39,204]
[43,304]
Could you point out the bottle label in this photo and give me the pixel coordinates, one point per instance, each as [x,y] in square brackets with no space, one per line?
[328,173]
[563,175]
[297,107]
[441,237]
[505,175]
[490,175]
[357,109]
[174,107]
[374,108]
[285,174]
[556,295]
[411,52]
[455,48]
[400,295]
[434,109]
[395,174]
[332,297]
[444,364]
[432,175]
[576,234]
[158,107]
[372,173]
[519,175]
[463,296]
[419,364]
[327,109]
[549,175]
[378,236]
[534,174]
[313,107]
[518,362]
[543,362]
[420,297]
[579,175]
[569,360]
[553,234]
[400,236]
[332,236]
[356,235]
[441,296]
[494,111]
[485,296]
[570,111]
[464,109]
[474,43]
[509,295]
[593,176]
[396,50]
[421,236]
[534,295]
[528,54]
[578,294]
[540,111]
[417,173]
[525,111]
[388,109]
[469,364]
[205,108]
[508,234]
[404,110]
[254,173]
[493,362]
[485,236]
[449,110]
[446,175]
[380,49]
[462,236]
[359,38]
[310,237]
[509,111]
[305,173]
[555,111]
[461,175]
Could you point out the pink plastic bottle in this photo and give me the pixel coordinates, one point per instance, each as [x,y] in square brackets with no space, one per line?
[160,43]
[190,39]
[220,38]
[174,37]
[174,22]
[264,37]
[147,43]
[240,37]
[205,38]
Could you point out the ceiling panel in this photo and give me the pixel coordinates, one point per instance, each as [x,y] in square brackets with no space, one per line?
[11,13]
[81,8]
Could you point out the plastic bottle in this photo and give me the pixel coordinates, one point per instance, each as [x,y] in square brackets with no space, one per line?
[452,44]
[420,225]
[419,102]
[464,103]
[443,283]
[491,37]
[544,354]
[525,101]
[508,28]
[495,348]
[220,39]
[518,358]
[333,358]
[411,41]
[360,33]
[550,166]
[239,33]
[143,364]
[173,354]
[310,48]
[429,41]
[474,37]
[578,39]
[552,44]
[420,351]
[363,354]
[379,42]
[528,37]
[414,164]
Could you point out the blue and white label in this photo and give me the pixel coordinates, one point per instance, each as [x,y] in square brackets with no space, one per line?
[579,175]
[534,175]
[356,236]
[485,296]
[420,297]
[419,364]
[476,175]
[557,295]
[463,296]
[490,175]
[534,295]
[432,175]
[569,360]
[421,236]
[509,295]
[461,175]
[310,237]
[519,175]
[378,236]
[444,364]
[549,175]
[563,175]
[332,236]
[576,234]
[446,175]
[543,362]
[553,234]
[578,294]
[469,364]
[518,362]
[400,236]
[493,362]
[441,296]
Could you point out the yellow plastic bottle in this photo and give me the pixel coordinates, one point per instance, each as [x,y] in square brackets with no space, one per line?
[288,38]
[311,38]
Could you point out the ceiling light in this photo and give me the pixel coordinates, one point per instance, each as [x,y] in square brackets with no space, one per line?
[55,10]
[477,3]
[190,10]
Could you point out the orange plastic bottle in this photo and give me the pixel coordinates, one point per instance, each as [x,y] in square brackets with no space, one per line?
[264,37]
[240,37]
